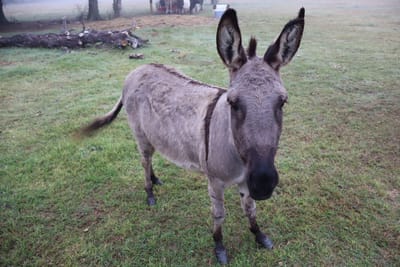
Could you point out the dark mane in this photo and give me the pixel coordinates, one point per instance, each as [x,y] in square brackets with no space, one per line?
[183,76]
[251,50]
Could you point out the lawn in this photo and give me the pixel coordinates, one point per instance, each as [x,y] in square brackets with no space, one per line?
[81,203]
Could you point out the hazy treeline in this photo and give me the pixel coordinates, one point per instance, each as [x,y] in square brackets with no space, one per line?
[14,10]
[73,2]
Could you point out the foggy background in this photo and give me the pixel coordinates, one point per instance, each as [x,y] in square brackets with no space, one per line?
[23,10]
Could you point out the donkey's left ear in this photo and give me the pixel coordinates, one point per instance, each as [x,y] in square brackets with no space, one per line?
[285,47]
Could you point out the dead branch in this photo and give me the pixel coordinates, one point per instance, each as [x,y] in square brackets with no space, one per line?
[86,38]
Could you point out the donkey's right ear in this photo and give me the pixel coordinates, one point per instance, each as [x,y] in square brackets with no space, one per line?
[229,41]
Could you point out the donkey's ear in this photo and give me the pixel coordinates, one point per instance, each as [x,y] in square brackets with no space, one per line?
[229,41]
[285,47]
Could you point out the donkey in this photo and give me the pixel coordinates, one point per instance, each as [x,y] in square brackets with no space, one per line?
[229,135]
[193,4]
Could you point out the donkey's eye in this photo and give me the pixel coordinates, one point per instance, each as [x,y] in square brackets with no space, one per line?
[283,102]
[234,103]
[238,110]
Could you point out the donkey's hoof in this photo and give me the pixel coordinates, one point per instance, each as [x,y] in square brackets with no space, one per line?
[151,201]
[156,181]
[221,255]
[264,241]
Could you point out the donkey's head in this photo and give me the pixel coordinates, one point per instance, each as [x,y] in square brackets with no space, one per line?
[256,97]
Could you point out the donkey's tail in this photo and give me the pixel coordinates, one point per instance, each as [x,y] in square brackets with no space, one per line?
[102,121]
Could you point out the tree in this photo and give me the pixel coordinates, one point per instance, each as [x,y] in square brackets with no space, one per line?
[151,6]
[3,19]
[117,6]
[93,10]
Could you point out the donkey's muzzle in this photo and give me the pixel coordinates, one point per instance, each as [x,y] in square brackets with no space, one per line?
[262,181]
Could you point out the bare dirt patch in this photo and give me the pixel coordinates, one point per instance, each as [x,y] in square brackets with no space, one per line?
[6,63]
[151,21]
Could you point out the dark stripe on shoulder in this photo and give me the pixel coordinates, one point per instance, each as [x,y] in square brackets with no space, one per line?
[207,119]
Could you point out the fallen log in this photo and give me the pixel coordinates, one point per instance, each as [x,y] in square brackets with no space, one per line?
[87,38]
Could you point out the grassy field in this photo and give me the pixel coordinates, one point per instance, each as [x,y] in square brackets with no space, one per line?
[69,203]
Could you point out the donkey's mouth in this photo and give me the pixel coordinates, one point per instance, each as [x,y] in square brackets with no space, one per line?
[260,190]
[262,182]
[260,196]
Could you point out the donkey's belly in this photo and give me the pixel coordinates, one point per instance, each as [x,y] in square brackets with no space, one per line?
[182,162]
[180,145]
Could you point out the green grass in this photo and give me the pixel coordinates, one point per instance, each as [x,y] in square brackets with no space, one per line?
[72,203]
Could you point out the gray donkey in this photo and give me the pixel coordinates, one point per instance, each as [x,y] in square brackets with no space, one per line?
[229,135]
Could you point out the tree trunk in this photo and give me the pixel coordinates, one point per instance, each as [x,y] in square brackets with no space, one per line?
[151,6]
[117,6]
[93,10]
[3,19]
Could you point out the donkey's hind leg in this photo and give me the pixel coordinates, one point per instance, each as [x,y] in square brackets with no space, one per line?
[147,151]
[148,187]
[155,180]
[249,208]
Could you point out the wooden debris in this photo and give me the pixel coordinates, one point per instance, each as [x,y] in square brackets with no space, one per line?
[86,38]
[136,56]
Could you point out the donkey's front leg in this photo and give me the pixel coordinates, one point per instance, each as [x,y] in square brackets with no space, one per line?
[249,208]
[216,193]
